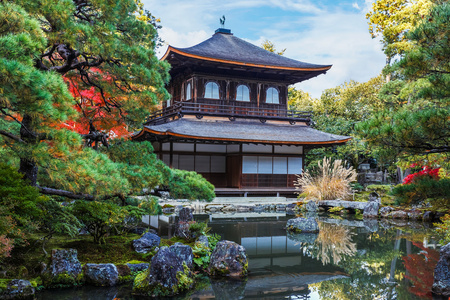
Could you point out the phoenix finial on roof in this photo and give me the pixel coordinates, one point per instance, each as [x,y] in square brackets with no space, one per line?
[222,21]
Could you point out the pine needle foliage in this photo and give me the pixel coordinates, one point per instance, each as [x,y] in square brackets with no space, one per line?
[331,182]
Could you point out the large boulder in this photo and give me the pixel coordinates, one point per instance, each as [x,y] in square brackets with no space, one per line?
[64,268]
[146,243]
[311,206]
[185,215]
[185,219]
[184,252]
[371,210]
[385,211]
[228,259]
[138,267]
[414,214]
[374,197]
[399,214]
[441,284]
[168,274]
[203,239]
[101,274]
[17,289]
[304,225]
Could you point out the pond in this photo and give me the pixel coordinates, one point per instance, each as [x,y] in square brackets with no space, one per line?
[348,259]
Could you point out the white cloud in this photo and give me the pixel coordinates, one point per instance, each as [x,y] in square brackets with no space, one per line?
[297,5]
[340,39]
[355,5]
[181,39]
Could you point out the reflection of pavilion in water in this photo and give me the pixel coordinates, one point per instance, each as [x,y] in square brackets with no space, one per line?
[277,266]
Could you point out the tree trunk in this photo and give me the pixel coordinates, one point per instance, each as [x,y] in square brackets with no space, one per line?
[29,169]
[27,166]
[71,195]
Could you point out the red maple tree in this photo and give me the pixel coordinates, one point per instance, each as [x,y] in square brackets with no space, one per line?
[100,113]
[420,269]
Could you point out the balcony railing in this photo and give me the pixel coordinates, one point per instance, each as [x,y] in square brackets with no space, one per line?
[232,111]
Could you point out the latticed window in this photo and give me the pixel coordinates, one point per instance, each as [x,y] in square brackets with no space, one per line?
[242,93]
[272,96]
[271,165]
[212,90]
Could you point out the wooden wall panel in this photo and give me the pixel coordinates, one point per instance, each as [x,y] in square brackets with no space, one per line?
[233,171]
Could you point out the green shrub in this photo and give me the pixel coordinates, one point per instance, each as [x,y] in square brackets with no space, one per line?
[202,254]
[148,205]
[336,209]
[199,228]
[422,189]
[379,188]
[444,228]
[356,186]
[24,211]
[190,185]
[19,213]
[98,217]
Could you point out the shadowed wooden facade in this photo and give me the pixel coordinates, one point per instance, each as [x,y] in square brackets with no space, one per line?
[228,118]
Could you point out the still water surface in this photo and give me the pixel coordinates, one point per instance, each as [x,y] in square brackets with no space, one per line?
[348,259]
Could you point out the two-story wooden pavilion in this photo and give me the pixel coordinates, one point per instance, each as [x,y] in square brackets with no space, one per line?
[228,118]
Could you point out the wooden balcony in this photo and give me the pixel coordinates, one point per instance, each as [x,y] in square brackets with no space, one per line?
[232,110]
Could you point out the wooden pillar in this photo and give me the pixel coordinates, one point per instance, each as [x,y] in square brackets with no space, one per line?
[258,93]
[171,96]
[304,150]
[171,155]
[195,152]
[195,82]
[240,166]
[286,95]
[183,91]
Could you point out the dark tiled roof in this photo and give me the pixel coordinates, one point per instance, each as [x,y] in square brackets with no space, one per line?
[252,131]
[227,47]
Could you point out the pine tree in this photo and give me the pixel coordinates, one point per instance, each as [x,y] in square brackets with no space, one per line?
[107,46]
[418,100]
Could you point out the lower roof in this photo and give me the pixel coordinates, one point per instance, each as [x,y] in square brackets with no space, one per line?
[244,131]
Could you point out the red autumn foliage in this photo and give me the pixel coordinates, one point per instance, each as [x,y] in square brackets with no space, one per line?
[9,231]
[6,245]
[93,110]
[420,270]
[426,172]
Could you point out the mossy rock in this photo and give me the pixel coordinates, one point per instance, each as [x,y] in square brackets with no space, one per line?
[379,188]
[63,279]
[168,275]
[126,274]
[16,289]
[4,284]
[228,259]
[142,285]
[64,269]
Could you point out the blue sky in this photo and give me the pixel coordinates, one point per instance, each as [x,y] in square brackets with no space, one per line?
[322,32]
